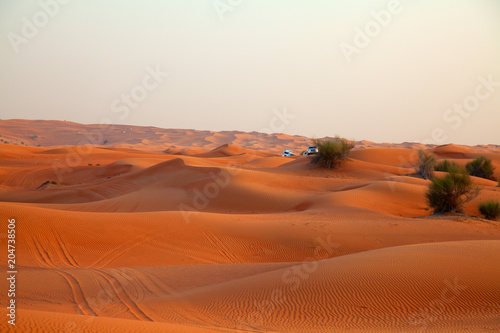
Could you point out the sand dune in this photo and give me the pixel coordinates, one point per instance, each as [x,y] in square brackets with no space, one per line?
[166,230]
[41,132]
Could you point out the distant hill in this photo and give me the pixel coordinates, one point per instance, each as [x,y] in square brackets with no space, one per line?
[54,133]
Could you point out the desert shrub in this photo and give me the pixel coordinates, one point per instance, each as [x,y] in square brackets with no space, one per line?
[450,193]
[490,210]
[446,166]
[332,153]
[105,141]
[480,167]
[425,165]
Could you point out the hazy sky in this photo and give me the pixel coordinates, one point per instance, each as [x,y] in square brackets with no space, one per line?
[386,71]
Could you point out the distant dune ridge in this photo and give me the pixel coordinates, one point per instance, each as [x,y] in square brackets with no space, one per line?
[48,133]
[162,230]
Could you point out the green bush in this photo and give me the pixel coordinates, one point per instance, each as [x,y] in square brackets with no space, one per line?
[449,194]
[480,167]
[332,153]
[490,210]
[446,166]
[425,165]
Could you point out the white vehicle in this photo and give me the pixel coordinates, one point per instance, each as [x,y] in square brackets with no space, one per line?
[287,152]
[311,150]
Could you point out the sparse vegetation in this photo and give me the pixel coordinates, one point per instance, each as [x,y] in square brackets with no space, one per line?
[490,209]
[332,153]
[480,167]
[106,141]
[446,166]
[34,137]
[450,193]
[47,183]
[425,165]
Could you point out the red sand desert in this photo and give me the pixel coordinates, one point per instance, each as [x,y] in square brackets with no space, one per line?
[195,231]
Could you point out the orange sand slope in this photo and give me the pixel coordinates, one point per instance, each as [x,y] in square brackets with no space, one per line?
[200,234]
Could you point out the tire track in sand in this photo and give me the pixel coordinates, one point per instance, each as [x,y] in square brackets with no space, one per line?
[64,254]
[121,250]
[159,288]
[123,296]
[43,256]
[78,294]
[220,247]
